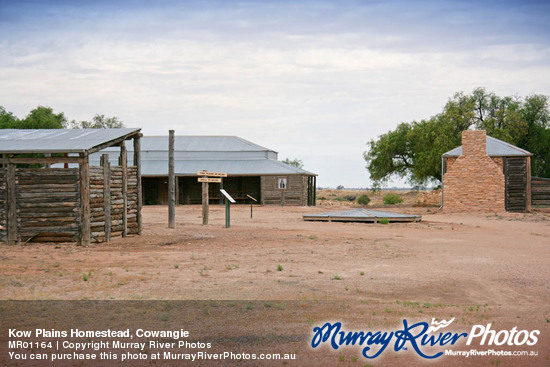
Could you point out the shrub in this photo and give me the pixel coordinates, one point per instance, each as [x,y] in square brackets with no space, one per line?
[391,199]
[363,199]
[384,221]
[350,197]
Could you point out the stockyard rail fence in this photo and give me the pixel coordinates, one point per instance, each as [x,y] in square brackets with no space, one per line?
[540,191]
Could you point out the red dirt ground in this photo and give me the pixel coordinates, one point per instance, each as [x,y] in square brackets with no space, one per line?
[492,268]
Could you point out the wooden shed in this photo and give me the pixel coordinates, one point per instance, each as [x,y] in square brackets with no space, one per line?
[251,170]
[72,201]
[486,174]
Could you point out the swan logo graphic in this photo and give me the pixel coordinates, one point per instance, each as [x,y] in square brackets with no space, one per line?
[439,325]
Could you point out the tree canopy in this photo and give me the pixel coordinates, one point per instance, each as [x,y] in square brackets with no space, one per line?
[45,118]
[39,118]
[98,122]
[413,150]
[295,162]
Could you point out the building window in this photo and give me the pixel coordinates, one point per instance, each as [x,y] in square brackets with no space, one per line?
[282,183]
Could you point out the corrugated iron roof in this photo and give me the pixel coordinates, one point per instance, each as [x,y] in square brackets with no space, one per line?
[29,141]
[197,143]
[229,154]
[251,167]
[494,148]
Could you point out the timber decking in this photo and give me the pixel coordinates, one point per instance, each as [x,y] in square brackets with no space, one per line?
[362,215]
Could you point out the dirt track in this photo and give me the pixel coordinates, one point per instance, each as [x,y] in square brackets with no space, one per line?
[481,268]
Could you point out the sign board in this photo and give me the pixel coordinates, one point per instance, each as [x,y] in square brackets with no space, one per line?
[251,197]
[212,174]
[227,196]
[210,179]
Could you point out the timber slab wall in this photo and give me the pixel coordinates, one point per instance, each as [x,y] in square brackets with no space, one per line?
[48,208]
[540,191]
[295,192]
[106,195]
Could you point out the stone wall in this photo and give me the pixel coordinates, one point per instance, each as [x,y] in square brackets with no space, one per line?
[474,181]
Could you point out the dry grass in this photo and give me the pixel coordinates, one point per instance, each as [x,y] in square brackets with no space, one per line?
[331,197]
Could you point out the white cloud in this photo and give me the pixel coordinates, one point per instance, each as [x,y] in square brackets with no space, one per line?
[318,93]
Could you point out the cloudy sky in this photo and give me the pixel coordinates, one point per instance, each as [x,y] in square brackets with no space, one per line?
[311,79]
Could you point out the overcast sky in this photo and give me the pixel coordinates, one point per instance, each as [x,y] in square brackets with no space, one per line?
[313,79]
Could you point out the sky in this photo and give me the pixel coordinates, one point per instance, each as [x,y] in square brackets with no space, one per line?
[313,80]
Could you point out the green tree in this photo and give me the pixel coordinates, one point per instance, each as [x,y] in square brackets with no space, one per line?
[98,122]
[7,119]
[43,118]
[413,150]
[295,162]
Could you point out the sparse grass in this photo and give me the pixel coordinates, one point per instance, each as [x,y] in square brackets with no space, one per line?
[337,277]
[279,267]
[362,273]
[312,237]
[176,266]
[384,221]
[85,277]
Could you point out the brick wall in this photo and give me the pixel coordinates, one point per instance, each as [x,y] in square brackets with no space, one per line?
[474,181]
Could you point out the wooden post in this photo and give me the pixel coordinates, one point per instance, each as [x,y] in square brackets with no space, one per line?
[124,165]
[137,163]
[84,201]
[262,183]
[106,194]
[314,190]
[204,203]
[528,184]
[177,190]
[171,182]
[11,205]
[47,155]
[221,188]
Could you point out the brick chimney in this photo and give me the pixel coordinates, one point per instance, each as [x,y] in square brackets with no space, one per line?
[473,143]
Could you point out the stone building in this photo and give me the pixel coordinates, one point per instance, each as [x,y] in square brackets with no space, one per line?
[486,174]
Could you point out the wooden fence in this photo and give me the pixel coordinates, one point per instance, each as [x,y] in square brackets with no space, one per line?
[540,191]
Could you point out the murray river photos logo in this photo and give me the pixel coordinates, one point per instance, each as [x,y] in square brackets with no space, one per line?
[418,337]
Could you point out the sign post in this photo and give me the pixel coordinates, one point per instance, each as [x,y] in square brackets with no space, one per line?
[251,198]
[228,201]
[205,179]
